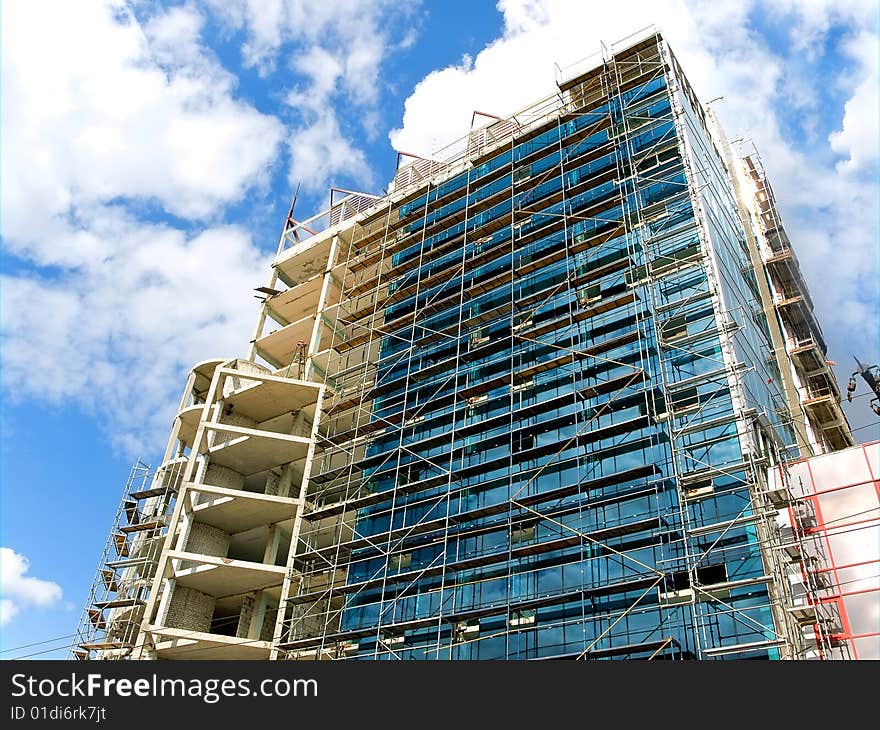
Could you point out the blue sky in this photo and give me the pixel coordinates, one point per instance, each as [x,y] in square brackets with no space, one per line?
[150,150]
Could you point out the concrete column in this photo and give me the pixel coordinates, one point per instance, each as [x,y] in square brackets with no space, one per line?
[255,628]
[271,552]
[246,617]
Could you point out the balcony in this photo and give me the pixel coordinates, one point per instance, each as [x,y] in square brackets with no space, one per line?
[250,451]
[219,577]
[171,643]
[822,406]
[298,301]
[265,423]
[300,260]
[235,510]
[785,270]
[807,355]
[224,607]
[268,397]
[281,346]
[796,312]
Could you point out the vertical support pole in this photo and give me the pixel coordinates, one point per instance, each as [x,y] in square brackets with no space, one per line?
[297,527]
[315,339]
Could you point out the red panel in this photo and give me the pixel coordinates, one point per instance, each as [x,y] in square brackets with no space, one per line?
[820,527]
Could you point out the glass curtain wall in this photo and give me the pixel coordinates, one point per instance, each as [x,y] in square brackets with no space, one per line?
[566,339]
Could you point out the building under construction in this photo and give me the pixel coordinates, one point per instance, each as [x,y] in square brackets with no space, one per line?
[523,405]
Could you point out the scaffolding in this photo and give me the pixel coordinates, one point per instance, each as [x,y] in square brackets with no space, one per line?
[518,407]
[114,608]
[244,437]
[818,391]
[445,342]
[817,625]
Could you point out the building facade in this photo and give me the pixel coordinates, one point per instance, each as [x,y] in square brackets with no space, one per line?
[522,406]
[840,544]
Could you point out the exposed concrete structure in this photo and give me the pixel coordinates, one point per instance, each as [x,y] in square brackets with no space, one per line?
[521,406]
[805,365]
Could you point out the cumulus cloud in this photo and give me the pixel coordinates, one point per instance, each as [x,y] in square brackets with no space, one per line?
[518,67]
[827,188]
[123,123]
[141,303]
[319,150]
[120,164]
[7,610]
[128,113]
[810,20]
[19,590]
[340,46]
[858,139]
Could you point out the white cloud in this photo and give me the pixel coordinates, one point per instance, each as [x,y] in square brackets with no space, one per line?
[319,150]
[106,121]
[809,21]
[116,110]
[175,39]
[348,27]
[7,610]
[519,67]
[142,119]
[858,139]
[20,590]
[831,212]
[340,46]
[117,330]
[324,70]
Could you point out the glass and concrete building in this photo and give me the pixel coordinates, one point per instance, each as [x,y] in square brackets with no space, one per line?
[524,405]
